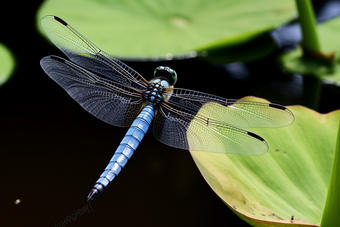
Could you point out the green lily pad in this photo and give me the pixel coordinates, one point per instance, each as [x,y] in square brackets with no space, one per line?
[328,71]
[291,179]
[167,29]
[7,64]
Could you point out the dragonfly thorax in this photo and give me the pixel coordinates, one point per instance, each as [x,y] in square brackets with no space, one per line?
[155,90]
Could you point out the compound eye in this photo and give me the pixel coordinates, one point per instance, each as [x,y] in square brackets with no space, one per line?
[158,71]
[166,73]
[173,76]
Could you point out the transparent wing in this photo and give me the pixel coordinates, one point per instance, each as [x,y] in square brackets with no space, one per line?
[238,113]
[107,100]
[83,52]
[183,128]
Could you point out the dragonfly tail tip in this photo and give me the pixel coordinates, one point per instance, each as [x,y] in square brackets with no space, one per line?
[92,195]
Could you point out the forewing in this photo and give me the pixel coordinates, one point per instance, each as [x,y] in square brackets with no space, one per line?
[181,128]
[238,113]
[83,52]
[107,100]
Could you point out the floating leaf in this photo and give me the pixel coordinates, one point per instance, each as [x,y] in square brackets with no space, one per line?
[327,70]
[6,64]
[290,180]
[163,29]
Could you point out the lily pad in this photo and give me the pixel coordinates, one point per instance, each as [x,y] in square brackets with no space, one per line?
[7,64]
[290,180]
[328,71]
[167,29]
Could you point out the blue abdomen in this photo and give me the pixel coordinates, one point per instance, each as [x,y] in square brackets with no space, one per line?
[125,149]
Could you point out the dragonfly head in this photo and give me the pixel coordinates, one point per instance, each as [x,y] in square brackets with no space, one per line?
[166,73]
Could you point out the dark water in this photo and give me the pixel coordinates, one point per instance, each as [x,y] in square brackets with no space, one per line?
[52,151]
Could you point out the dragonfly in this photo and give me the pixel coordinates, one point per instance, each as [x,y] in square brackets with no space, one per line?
[181,118]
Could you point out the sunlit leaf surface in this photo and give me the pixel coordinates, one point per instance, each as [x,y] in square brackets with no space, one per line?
[163,29]
[291,179]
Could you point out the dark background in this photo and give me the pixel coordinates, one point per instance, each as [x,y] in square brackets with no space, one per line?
[52,151]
